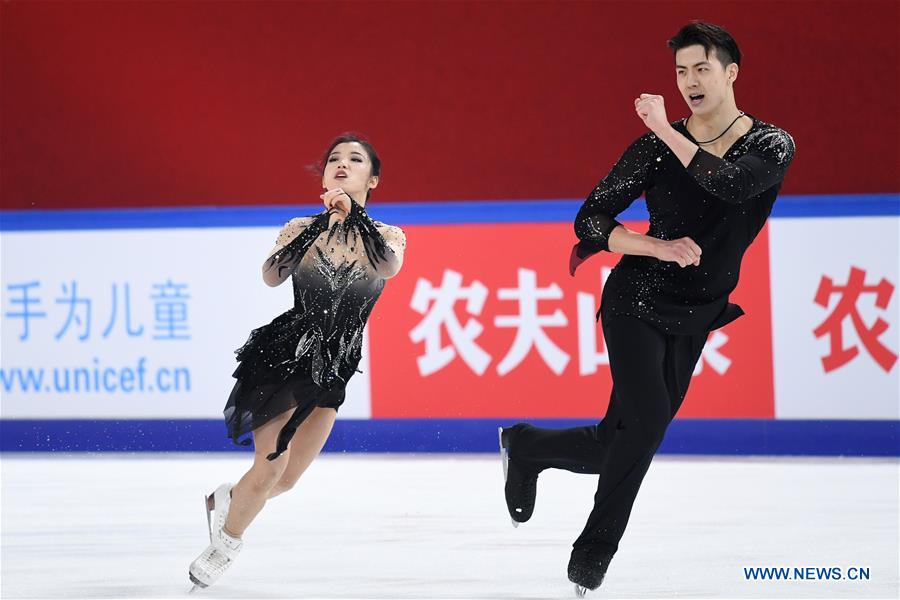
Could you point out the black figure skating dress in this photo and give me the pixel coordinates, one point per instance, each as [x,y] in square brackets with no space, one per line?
[305,356]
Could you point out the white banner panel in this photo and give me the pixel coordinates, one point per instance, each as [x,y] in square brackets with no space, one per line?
[134,323]
[835,317]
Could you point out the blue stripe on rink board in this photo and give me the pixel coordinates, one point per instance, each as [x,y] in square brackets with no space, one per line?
[412,213]
[685,436]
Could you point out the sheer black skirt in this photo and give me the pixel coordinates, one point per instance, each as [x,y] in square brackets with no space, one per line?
[272,380]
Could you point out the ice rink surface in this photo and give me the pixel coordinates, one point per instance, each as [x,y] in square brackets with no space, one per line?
[127,526]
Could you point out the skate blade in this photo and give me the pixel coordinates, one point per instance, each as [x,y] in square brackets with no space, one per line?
[504,454]
[209,504]
[580,591]
[197,584]
[504,460]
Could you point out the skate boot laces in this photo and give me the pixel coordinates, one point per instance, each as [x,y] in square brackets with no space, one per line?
[215,560]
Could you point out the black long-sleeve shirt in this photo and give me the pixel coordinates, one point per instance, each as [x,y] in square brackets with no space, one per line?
[720,203]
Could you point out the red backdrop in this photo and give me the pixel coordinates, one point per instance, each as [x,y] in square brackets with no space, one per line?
[194,103]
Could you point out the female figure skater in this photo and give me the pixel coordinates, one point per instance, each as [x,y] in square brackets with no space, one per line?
[293,372]
[710,182]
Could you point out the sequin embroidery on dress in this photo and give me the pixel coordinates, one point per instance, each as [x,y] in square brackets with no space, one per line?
[304,357]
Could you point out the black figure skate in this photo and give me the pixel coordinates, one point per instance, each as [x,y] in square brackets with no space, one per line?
[587,570]
[520,485]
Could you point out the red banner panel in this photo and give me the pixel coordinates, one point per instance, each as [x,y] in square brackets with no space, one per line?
[485,321]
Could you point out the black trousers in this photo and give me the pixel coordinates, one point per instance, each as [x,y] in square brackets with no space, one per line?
[651,372]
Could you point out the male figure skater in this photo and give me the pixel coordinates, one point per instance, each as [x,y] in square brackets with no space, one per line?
[710,181]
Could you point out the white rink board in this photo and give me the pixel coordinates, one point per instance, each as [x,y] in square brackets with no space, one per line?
[171,356]
[226,299]
[802,252]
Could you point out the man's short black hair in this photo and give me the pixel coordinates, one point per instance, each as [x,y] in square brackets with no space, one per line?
[711,37]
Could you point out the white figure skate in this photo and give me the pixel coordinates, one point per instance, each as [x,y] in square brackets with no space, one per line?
[222,549]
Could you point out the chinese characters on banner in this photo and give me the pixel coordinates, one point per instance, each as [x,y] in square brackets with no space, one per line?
[485,321]
[835,316]
[846,308]
[72,310]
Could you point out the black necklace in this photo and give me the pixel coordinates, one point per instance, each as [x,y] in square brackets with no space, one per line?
[724,132]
